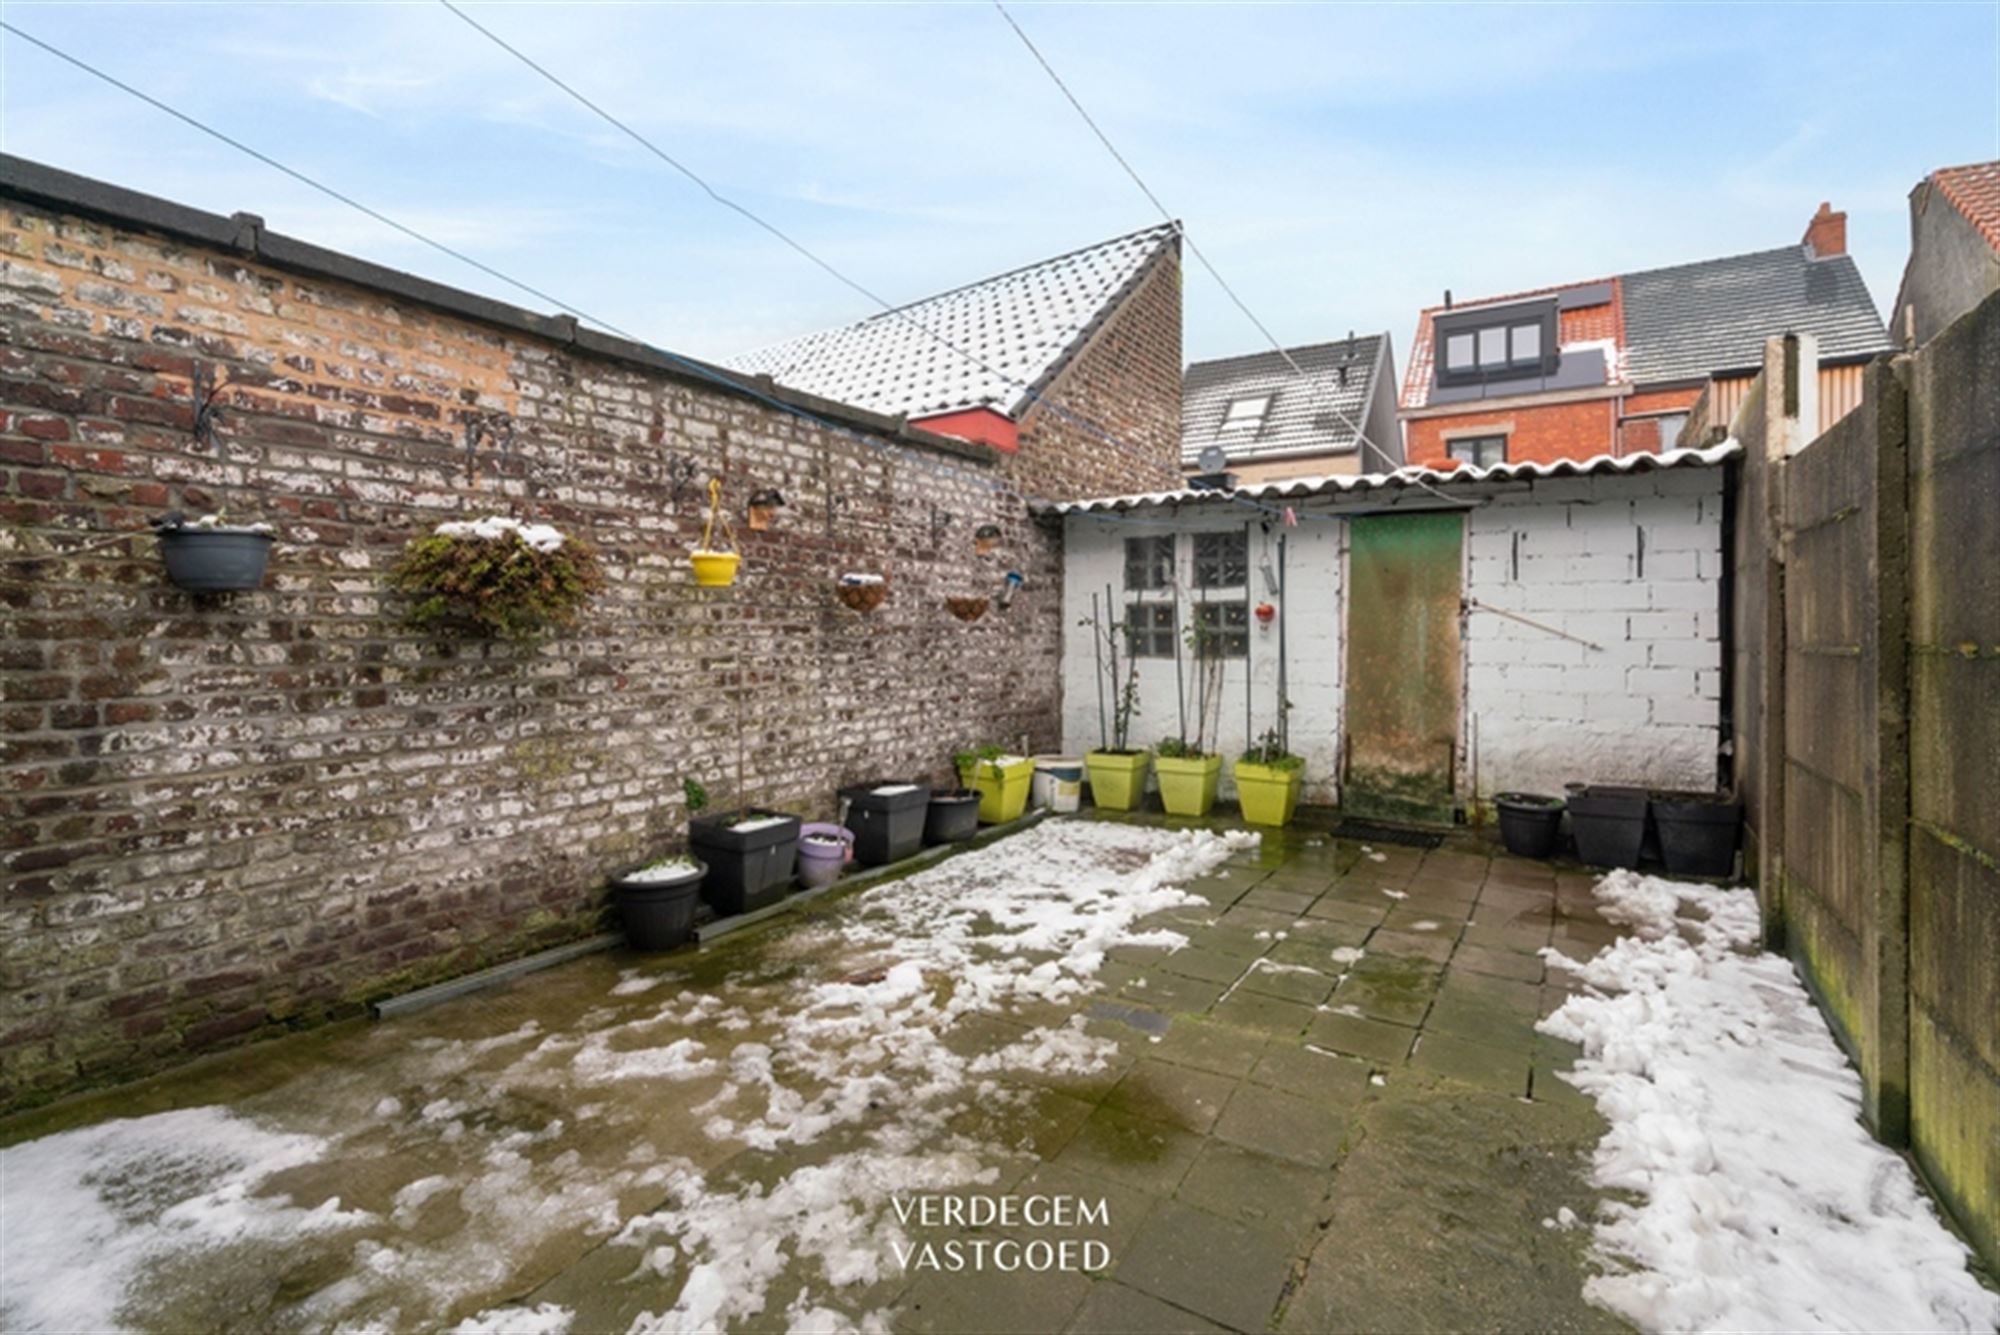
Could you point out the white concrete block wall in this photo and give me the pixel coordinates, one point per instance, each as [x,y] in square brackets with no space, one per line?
[1631,563]
[1094,555]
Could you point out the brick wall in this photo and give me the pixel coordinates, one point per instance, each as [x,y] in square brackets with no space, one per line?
[1536,433]
[1110,420]
[228,816]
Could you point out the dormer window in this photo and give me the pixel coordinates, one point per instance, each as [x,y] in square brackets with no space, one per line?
[1496,343]
[1246,414]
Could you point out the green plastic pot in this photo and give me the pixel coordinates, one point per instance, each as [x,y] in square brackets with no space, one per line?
[1187,787]
[1117,778]
[1268,794]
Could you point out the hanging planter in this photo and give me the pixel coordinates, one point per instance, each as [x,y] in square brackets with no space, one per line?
[715,568]
[764,506]
[863,593]
[967,609]
[497,576]
[209,556]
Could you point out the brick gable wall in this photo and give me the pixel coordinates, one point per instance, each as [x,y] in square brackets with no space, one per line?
[224,817]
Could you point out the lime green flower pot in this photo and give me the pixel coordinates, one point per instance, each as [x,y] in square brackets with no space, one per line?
[1117,778]
[1002,786]
[1187,787]
[1268,794]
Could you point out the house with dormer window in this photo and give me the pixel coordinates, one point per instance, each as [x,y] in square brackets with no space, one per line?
[1325,409]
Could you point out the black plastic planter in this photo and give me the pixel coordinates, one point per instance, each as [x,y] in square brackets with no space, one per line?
[1698,834]
[215,560]
[1609,825]
[747,869]
[887,818]
[952,816]
[658,915]
[1528,823]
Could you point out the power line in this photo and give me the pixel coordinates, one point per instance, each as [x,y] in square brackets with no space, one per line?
[1118,157]
[898,313]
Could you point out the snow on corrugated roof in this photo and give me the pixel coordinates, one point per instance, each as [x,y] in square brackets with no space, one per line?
[1301,488]
[1006,336]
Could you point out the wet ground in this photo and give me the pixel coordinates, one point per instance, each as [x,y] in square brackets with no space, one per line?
[1326,1110]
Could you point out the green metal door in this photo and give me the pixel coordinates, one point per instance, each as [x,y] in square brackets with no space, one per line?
[1404,584]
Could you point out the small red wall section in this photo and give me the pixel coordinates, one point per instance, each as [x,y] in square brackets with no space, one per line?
[982,425]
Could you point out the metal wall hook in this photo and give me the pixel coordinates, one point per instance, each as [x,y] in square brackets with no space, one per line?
[208,410]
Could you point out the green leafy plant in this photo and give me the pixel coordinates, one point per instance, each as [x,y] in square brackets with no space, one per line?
[497,577]
[696,795]
[1270,751]
[967,763]
[1177,748]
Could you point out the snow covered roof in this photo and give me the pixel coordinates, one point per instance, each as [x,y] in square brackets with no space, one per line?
[1007,336]
[1302,488]
[1320,413]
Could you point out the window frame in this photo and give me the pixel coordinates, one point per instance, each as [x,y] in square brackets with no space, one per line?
[1484,438]
[1508,321]
[1223,601]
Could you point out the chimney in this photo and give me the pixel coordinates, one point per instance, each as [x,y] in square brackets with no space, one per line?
[1826,234]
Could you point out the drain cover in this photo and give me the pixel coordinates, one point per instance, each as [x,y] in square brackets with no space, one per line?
[1368,831]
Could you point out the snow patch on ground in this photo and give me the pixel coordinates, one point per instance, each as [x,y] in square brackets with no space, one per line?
[1762,1201]
[545,1319]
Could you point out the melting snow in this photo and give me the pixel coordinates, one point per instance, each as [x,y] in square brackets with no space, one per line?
[1762,1202]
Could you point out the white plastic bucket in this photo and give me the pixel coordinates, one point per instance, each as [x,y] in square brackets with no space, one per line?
[1058,783]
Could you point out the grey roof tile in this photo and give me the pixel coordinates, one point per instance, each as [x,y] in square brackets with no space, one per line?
[1007,336]
[1311,415]
[1689,321]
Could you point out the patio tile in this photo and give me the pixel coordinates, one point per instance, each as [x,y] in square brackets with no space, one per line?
[980,1301]
[1122,1207]
[1521,940]
[1137,1151]
[1476,1020]
[1256,1189]
[1500,963]
[1174,991]
[1241,943]
[1182,1095]
[1358,913]
[1207,1046]
[1582,939]
[1433,946]
[1315,949]
[1401,998]
[1273,1122]
[1114,1309]
[1211,966]
[1256,920]
[1359,1036]
[1292,903]
[1267,1015]
[1293,982]
[1505,995]
[1027,1120]
[1226,1271]
[1415,919]
[1503,1069]
[1298,1069]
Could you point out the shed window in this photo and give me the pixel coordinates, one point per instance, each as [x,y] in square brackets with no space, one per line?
[1222,591]
[1221,560]
[1149,564]
[1149,629]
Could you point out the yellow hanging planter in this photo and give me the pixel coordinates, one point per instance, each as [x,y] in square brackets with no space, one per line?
[715,568]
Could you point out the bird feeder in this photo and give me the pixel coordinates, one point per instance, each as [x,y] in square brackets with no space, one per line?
[714,567]
[1008,587]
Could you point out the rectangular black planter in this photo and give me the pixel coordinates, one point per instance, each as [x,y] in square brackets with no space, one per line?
[747,869]
[1609,825]
[888,826]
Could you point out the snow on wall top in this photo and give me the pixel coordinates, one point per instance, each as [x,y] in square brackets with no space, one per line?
[987,345]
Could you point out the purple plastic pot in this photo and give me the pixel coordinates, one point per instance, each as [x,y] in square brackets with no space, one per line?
[823,851]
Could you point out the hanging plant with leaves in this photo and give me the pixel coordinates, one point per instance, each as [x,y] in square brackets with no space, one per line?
[497,576]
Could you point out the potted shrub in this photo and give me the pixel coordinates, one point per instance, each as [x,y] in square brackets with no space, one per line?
[1117,769]
[823,850]
[497,576]
[749,852]
[1268,779]
[1188,774]
[887,818]
[953,814]
[863,593]
[715,567]
[1698,832]
[656,902]
[1609,824]
[207,555]
[1529,822]
[1000,779]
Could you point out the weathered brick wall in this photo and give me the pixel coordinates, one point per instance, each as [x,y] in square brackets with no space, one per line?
[225,816]
[1110,421]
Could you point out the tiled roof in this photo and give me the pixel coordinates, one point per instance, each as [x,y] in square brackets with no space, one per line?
[1303,488]
[1318,414]
[1008,336]
[1599,325]
[1692,320]
[1975,192]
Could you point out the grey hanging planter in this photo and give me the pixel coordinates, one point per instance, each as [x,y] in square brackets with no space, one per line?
[208,556]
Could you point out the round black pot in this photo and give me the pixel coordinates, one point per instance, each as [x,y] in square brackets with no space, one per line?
[1528,823]
[1609,825]
[658,915]
[1698,834]
[951,817]
[215,560]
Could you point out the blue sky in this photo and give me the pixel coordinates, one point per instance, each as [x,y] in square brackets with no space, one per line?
[1342,164]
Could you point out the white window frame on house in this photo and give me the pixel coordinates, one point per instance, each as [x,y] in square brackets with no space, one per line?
[1468,449]
[1247,412]
[1150,571]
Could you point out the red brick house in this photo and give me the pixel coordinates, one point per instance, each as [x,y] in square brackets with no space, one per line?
[1954,250]
[1612,365]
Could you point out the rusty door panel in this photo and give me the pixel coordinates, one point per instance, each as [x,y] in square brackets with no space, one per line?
[1403,665]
